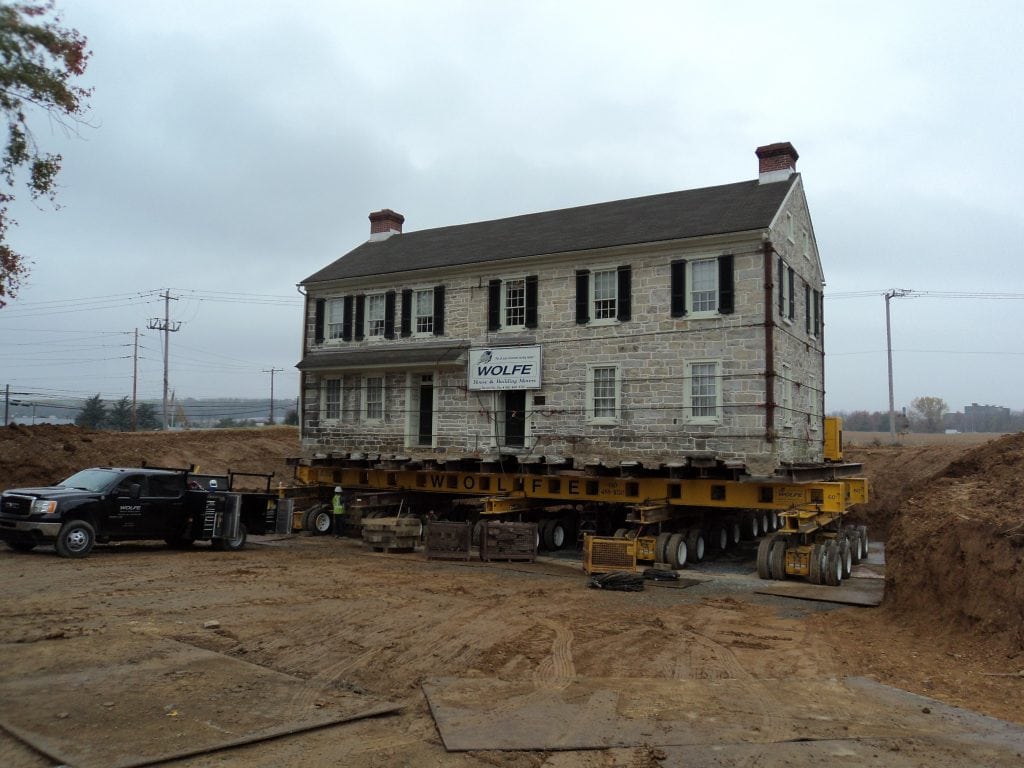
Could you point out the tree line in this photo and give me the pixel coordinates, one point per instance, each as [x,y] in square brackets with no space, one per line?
[117,417]
[931,414]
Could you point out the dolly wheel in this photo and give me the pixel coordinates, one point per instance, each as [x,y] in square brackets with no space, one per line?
[816,568]
[764,550]
[777,559]
[833,564]
[676,550]
[661,547]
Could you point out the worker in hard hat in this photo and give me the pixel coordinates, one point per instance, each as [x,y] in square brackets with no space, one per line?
[338,506]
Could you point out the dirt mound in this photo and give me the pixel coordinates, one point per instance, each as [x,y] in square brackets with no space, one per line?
[44,453]
[956,546]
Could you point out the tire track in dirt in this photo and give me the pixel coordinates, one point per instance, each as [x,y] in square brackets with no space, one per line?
[557,670]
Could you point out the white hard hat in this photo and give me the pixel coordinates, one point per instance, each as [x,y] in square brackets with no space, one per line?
[213,483]
[337,489]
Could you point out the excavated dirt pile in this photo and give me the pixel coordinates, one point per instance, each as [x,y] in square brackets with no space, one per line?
[956,547]
[44,453]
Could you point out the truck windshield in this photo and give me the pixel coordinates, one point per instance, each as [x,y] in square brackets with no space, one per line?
[96,480]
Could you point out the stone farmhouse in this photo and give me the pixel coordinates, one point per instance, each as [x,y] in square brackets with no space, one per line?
[680,331]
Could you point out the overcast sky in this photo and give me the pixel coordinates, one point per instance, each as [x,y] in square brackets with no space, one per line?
[234,148]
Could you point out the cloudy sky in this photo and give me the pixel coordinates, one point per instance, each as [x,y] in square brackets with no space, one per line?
[234,148]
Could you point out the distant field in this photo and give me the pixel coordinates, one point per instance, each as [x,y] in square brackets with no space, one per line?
[914,438]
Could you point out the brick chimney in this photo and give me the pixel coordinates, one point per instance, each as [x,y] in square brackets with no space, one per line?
[385,223]
[775,162]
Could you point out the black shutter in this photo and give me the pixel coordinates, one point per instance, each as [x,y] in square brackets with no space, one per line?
[582,296]
[819,313]
[726,286]
[531,301]
[318,321]
[360,316]
[807,308]
[494,305]
[346,320]
[625,297]
[782,288]
[678,288]
[389,315]
[792,297]
[439,310]
[406,312]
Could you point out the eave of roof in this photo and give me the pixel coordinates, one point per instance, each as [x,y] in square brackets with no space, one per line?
[739,207]
[447,354]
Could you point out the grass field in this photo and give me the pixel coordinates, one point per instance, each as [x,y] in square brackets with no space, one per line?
[861,439]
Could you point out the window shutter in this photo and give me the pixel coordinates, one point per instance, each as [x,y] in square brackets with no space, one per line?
[819,313]
[439,310]
[678,288]
[360,316]
[389,315]
[625,298]
[406,312]
[346,320]
[531,301]
[582,296]
[782,288]
[807,308]
[318,321]
[494,305]
[726,285]
[792,296]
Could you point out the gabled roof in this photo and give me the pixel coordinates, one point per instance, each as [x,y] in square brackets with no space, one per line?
[738,207]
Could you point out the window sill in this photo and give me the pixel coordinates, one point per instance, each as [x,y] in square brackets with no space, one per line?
[604,321]
[604,421]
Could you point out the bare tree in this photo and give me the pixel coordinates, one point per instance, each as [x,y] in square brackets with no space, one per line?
[927,413]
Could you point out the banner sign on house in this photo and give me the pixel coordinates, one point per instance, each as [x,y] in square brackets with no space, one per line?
[504,368]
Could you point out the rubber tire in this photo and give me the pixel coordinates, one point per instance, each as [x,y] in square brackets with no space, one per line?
[696,545]
[833,565]
[76,539]
[764,524]
[856,545]
[816,568]
[321,521]
[846,556]
[232,545]
[717,538]
[764,550]
[676,551]
[544,534]
[773,521]
[661,548]
[22,546]
[620,533]
[735,533]
[866,548]
[751,526]
[777,559]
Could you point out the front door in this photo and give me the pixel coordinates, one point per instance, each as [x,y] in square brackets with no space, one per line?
[514,420]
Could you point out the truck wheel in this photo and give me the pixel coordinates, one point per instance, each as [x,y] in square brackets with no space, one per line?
[554,535]
[676,550]
[22,546]
[620,533]
[816,568]
[75,539]
[777,559]
[833,564]
[232,545]
[764,551]
[845,556]
[661,547]
[863,531]
[718,538]
[321,520]
[694,545]
[735,533]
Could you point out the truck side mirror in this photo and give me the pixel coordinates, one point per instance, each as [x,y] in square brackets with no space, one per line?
[134,490]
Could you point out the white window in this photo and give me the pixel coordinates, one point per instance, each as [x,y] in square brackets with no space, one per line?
[603,395]
[423,320]
[703,392]
[605,294]
[704,286]
[789,227]
[373,398]
[375,315]
[335,318]
[514,303]
[786,395]
[806,244]
[330,399]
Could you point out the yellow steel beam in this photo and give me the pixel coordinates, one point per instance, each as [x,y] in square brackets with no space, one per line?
[828,497]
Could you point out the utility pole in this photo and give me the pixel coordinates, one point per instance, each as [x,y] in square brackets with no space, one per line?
[892,294]
[7,403]
[168,328]
[271,371]
[135,378]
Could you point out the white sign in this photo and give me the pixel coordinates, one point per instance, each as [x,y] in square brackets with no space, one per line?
[503,368]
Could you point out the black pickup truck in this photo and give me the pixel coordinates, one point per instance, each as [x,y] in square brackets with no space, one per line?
[105,504]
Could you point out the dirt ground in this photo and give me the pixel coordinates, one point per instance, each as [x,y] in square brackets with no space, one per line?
[344,620]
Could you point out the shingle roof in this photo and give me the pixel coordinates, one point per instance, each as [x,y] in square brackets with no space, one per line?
[737,207]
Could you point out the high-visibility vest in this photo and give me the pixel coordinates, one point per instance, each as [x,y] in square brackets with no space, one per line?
[339,506]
